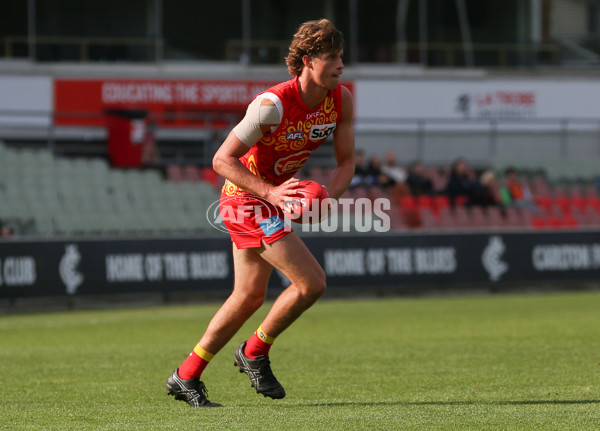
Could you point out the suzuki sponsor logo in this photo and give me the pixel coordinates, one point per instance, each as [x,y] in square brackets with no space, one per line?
[321,131]
[295,135]
[291,163]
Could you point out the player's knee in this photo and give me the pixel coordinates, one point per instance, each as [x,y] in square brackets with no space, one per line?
[321,285]
[316,286]
[252,301]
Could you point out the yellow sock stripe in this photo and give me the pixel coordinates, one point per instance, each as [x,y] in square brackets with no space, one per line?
[263,336]
[207,356]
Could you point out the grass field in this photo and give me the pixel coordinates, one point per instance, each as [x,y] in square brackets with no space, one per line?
[508,362]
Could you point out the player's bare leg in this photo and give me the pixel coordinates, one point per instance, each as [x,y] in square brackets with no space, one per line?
[308,283]
[293,259]
[250,287]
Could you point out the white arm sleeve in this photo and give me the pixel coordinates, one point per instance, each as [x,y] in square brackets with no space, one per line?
[262,111]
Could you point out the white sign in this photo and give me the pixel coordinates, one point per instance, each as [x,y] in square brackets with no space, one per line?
[482,98]
[26,100]
[140,267]
[420,260]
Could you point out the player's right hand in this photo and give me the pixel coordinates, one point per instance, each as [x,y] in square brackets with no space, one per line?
[283,195]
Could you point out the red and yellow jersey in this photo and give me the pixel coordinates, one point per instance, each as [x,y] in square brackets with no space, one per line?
[278,155]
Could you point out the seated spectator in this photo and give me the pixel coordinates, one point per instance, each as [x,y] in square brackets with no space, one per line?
[394,172]
[515,192]
[461,185]
[396,176]
[417,180]
[360,171]
[5,230]
[487,192]
[375,175]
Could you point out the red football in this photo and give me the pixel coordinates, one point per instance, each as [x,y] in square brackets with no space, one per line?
[307,207]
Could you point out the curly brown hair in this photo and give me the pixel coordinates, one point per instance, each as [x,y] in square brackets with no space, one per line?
[313,38]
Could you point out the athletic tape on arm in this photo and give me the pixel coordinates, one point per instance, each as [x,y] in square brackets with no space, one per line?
[259,113]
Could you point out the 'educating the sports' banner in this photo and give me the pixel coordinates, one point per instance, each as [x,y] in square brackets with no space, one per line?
[177,103]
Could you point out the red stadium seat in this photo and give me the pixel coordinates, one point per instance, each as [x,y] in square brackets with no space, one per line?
[192,173]
[478,219]
[408,202]
[593,202]
[210,176]
[424,201]
[461,217]
[544,202]
[539,222]
[175,173]
[579,202]
[441,201]
[495,218]
[564,203]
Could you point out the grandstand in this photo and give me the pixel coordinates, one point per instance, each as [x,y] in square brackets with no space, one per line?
[502,85]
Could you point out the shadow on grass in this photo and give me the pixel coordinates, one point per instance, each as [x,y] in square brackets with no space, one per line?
[449,403]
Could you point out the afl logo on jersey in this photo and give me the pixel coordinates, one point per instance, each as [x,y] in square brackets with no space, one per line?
[295,135]
[321,131]
[291,163]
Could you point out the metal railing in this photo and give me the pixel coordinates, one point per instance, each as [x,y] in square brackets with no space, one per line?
[273,51]
[435,140]
[83,44]
[497,54]
[438,54]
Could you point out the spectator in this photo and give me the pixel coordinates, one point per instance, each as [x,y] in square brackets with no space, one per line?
[394,172]
[5,230]
[375,175]
[360,171]
[461,185]
[487,192]
[515,192]
[417,180]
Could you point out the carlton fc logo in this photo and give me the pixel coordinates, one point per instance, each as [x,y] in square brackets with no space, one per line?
[291,163]
[295,135]
[492,258]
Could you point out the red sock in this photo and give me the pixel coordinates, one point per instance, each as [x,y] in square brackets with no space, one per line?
[194,364]
[257,346]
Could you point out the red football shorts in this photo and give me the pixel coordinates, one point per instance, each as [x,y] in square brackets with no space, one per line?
[251,220]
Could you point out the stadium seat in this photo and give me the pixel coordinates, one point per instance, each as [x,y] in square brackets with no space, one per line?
[587,217]
[211,177]
[544,202]
[192,173]
[495,219]
[175,173]
[408,202]
[563,203]
[441,201]
[517,217]
[477,218]
[461,217]
[429,221]
[445,219]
